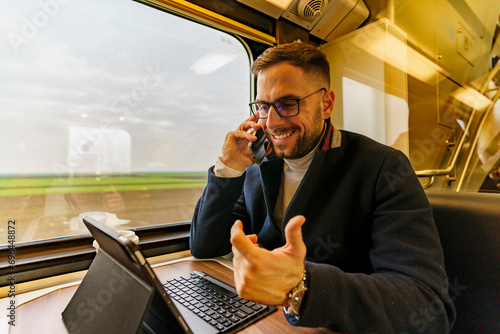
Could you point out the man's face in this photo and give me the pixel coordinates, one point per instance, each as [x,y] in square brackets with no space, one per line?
[293,137]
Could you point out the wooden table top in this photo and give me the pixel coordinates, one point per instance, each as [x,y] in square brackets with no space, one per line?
[43,314]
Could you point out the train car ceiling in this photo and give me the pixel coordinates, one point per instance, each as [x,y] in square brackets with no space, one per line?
[324,19]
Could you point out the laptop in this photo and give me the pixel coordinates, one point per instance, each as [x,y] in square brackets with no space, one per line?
[191,303]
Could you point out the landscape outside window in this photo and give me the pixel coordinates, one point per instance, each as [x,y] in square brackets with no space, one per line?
[110,107]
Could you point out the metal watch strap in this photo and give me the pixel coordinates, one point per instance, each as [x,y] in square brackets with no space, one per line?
[296,296]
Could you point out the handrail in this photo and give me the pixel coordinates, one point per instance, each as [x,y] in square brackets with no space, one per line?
[429,183]
[489,77]
[476,139]
[451,166]
[447,171]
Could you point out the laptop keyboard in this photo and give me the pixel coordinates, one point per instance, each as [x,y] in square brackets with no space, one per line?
[220,307]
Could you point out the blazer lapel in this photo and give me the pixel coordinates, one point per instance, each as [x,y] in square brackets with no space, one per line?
[270,178]
[308,185]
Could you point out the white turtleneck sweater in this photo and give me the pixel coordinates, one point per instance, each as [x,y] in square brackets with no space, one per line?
[293,173]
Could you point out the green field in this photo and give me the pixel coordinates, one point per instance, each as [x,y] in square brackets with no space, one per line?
[26,186]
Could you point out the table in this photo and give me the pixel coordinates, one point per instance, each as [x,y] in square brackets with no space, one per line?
[43,314]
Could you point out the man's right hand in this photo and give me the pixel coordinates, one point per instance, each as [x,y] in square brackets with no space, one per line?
[235,152]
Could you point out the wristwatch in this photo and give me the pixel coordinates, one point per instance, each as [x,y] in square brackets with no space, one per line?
[296,296]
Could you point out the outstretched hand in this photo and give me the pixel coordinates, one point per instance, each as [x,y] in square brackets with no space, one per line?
[265,276]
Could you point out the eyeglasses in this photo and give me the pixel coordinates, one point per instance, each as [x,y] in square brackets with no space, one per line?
[284,108]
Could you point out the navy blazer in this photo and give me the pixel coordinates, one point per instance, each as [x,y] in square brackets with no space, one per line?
[374,258]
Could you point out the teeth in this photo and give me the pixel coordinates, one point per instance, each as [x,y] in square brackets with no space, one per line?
[283,135]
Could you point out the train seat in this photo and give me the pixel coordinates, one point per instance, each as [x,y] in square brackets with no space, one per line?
[469,228]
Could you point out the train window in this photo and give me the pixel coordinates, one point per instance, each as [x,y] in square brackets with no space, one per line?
[113,108]
[370,117]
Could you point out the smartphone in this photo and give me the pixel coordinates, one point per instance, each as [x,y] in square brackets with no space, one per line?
[258,148]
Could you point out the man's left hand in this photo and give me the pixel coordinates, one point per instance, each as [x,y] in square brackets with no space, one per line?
[265,276]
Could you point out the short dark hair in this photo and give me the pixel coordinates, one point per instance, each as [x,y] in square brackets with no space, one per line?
[308,57]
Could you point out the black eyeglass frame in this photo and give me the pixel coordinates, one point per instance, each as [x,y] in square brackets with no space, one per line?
[273,104]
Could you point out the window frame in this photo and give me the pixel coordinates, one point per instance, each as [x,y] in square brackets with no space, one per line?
[42,259]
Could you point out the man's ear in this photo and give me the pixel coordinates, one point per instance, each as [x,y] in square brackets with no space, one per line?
[328,102]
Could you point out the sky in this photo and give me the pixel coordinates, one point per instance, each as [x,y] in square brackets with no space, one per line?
[114,86]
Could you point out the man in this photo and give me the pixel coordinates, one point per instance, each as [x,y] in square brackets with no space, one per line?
[346,234]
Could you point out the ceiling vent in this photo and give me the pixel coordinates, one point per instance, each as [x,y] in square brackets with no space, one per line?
[326,19]
[305,13]
[310,8]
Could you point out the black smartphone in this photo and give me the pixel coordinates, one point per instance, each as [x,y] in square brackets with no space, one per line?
[258,148]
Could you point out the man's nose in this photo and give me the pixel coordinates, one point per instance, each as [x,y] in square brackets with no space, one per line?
[273,120]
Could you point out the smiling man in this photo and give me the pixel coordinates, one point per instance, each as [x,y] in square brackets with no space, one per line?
[292,135]
[346,234]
